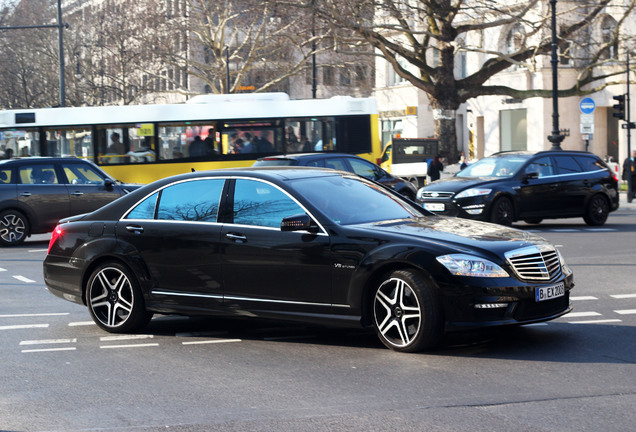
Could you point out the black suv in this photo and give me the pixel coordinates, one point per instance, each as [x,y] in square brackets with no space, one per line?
[511,186]
[343,162]
[37,192]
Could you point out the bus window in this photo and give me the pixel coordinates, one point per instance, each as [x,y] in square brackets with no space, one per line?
[187,140]
[19,143]
[69,142]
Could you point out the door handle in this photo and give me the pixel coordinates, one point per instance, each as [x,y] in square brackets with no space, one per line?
[26,194]
[76,193]
[135,229]
[238,238]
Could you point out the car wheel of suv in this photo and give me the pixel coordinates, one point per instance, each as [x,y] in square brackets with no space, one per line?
[502,212]
[14,228]
[597,211]
[114,299]
[406,312]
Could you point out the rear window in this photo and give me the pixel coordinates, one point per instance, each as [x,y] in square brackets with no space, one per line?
[589,163]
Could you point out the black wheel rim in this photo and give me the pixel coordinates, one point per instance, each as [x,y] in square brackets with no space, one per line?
[503,212]
[599,210]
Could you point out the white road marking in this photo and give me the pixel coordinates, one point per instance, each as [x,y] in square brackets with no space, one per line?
[37,250]
[623,296]
[49,349]
[24,326]
[2,269]
[33,315]
[47,341]
[581,298]
[581,314]
[125,337]
[596,321]
[80,323]
[129,346]
[23,279]
[626,312]
[211,341]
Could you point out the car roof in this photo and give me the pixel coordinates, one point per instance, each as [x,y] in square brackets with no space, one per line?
[309,156]
[542,152]
[41,159]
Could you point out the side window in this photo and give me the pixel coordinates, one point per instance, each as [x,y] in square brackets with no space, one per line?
[262,204]
[589,163]
[5,176]
[543,166]
[336,163]
[316,163]
[566,165]
[82,174]
[364,168]
[38,174]
[196,200]
[145,209]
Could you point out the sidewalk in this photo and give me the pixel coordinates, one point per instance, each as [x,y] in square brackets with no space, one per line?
[624,205]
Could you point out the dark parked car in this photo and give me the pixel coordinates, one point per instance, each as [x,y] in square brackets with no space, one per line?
[303,244]
[35,193]
[343,162]
[511,186]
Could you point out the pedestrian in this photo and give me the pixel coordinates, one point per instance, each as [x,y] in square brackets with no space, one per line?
[435,168]
[629,170]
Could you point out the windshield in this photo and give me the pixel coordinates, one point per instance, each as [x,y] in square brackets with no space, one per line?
[496,166]
[349,200]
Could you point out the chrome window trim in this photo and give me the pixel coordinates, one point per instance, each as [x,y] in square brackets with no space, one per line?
[239,298]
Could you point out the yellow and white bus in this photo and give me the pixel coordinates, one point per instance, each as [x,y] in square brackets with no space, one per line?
[142,143]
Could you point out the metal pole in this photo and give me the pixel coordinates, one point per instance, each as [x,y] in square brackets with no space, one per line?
[60,28]
[227,69]
[556,136]
[313,54]
[629,136]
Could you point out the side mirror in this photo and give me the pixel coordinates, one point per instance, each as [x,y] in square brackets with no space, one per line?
[298,223]
[530,175]
[109,183]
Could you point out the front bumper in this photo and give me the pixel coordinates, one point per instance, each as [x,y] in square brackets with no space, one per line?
[476,208]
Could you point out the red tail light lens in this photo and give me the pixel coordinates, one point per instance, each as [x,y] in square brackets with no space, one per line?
[57,232]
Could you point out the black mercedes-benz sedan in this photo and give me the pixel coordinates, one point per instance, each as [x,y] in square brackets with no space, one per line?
[510,186]
[306,244]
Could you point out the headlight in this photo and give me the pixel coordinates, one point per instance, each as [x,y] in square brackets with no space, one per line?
[468,265]
[473,192]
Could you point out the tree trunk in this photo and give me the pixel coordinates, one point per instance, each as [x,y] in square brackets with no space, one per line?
[446,133]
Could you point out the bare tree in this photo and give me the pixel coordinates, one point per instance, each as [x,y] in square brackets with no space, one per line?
[422,39]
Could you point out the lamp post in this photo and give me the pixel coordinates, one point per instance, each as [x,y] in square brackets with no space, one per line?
[60,26]
[556,136]
[227,69]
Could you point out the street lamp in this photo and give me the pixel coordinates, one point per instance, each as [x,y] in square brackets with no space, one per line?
[227,69]
[556,136]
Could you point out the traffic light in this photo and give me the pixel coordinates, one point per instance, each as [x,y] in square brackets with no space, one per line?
[619,107]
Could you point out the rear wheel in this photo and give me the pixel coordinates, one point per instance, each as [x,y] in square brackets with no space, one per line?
[502,212]
[14,227]
[114,299]
[597,211]
[533,221]
[406,311]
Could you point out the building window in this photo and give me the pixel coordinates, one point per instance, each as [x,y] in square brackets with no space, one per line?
[327,75]
[608,39]
[513,129]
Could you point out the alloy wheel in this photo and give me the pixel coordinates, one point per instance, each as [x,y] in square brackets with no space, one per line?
[397,311]
[111,297]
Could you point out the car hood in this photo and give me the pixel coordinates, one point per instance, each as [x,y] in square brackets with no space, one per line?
[460,235]
[456,184]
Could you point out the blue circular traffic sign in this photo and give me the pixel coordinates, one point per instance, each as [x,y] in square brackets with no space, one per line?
[587,105]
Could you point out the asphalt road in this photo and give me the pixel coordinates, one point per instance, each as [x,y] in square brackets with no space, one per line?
[577,373]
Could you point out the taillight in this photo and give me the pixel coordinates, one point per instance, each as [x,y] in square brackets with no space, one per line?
[57,232]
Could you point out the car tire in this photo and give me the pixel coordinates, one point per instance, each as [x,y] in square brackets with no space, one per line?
[114,299]
[533,221]
[406,312]
[502,212]
[596,211]
[14,227]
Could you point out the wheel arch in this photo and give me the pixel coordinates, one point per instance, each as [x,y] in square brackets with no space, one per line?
[513,200]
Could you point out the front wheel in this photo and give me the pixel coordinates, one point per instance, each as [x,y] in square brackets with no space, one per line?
[407,313]
[502,212]
[14,228]
[597,211]
[114,299]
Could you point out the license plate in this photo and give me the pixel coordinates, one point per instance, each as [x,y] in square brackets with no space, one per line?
[548,293]
[434,206]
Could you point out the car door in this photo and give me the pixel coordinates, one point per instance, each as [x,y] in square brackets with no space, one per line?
[176,234]
[537,197]
[266,268]
[573,185]
[43,194]
[87,188]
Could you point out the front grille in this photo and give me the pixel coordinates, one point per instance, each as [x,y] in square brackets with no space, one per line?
[433,194]
[539,263]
